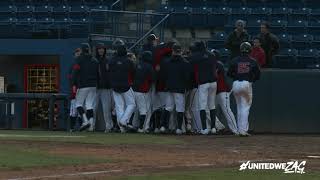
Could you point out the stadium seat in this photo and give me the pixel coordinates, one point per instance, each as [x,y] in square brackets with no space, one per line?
[294,3]
[287,58]
[316,42]
[235,3]
[177,3]
[314,27]
[260,13]
[285,40]
[218,40]
[274,3]
[199,17]
[281,13]
[253,26]
[302,41]
[314,4]
[300,13]
[4,9]
[218,16]
[254,3]
[214,4]
[43,11]
[180,17]
[196,3]
[278,26]
[297,26]
[307,58]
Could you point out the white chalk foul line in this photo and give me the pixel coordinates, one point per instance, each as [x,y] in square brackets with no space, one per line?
[102,172]
[71,174]
[37,136]
[314,157]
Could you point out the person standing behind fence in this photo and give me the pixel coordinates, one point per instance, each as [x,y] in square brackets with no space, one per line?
[244,70]
[269,43]
[121,71]
[85,75]
[257,52]
[103,88]
[236,37]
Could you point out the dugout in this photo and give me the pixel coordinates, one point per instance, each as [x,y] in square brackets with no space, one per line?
[35,66]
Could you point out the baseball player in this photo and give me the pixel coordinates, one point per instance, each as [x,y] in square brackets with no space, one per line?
[244,70]
[85,76]
[223,95]
[121,71]
[176,77]
[204,64]
[142,86]
[161,52]
[73,110]
[103,87]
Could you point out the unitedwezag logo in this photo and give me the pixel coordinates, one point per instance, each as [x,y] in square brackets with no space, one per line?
[288,167]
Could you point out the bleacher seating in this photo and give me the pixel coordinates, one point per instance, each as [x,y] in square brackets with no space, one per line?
[295,22]
[21,18]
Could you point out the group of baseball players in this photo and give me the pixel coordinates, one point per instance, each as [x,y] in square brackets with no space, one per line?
[164,90]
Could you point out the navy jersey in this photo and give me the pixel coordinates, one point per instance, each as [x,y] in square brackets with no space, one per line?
[176,74]
[204,65]
[244,68]
[121,71]
[143,77]
[85,72]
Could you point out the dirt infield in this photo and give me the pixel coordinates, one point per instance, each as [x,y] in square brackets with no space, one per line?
[195,152]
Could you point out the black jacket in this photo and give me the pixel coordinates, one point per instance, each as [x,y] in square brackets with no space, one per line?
[233,42]
[244,68]
[121,71]
[85,72]
[143,77]
[204,65]
[103,80]
[270,45]
[176,74]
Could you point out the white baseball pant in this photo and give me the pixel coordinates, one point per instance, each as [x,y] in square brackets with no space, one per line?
[85,98]
[104,97]
[242,91]
[125,106]
[223,100]
[207,95]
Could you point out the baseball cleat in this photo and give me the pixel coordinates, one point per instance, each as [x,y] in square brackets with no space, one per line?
[244,134]
[107,130]
[213,131]
[84,126]
[179,132]
[162,129]
[140,130]
[156,130]
[122,129]
[205,132]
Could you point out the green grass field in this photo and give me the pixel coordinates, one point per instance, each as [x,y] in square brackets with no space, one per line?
[225,174]
[90,138]
[21,150]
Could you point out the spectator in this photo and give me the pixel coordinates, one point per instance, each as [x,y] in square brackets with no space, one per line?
[269,43]
[257,52]
[152,42]
[235,38]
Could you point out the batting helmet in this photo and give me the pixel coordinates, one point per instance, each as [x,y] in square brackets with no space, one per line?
[245,47]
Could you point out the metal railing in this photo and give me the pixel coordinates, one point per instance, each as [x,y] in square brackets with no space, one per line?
[133,27]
